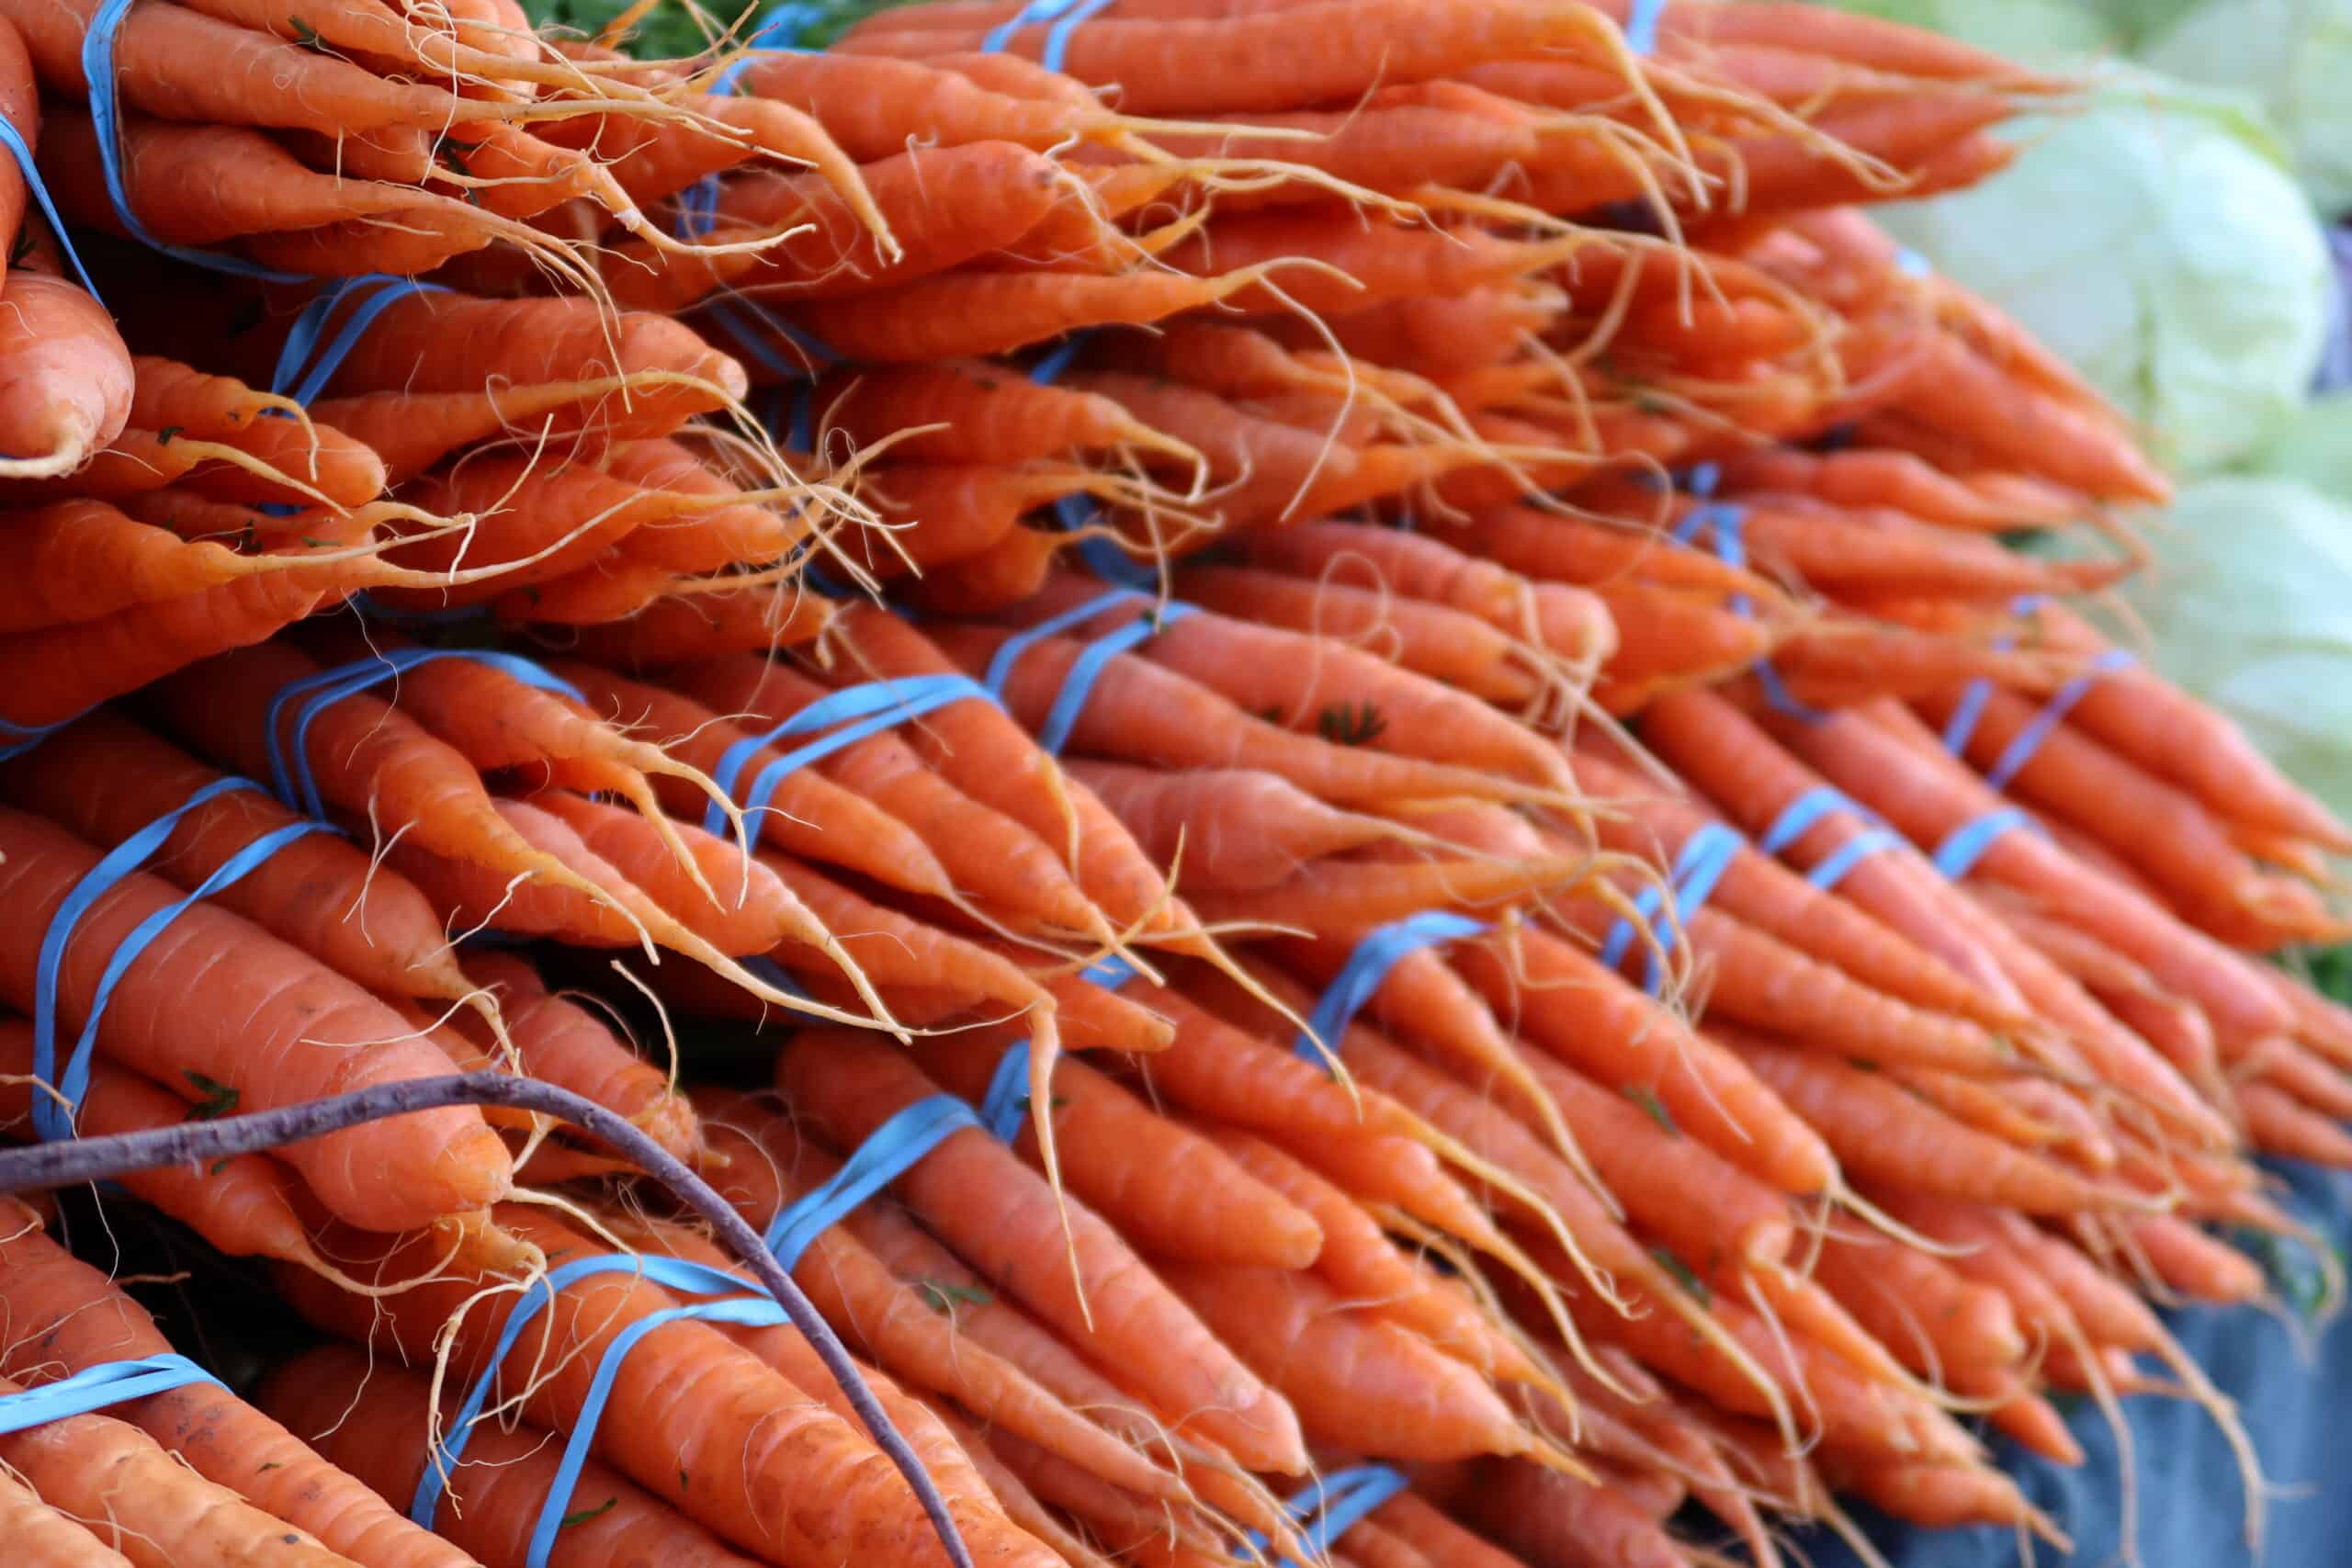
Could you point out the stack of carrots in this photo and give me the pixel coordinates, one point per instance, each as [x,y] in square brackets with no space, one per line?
[1329,698]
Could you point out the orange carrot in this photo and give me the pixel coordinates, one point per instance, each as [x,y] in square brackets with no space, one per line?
[71,376]
[681,628]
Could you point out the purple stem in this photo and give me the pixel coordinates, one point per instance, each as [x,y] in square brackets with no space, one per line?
[72,1162]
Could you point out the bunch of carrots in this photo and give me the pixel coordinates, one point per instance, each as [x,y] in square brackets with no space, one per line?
[1300,734]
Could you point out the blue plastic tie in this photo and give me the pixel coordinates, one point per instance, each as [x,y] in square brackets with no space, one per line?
[1706,854]
[875,706]
[53,1121]
[98,1388]
[1057,50]
[1006,1105]
[106,120]
[1850,855]
[1333,1505]
[887,1154]
[1970,710]
[22,738]
[1088,667]
[999,37]
[2028,740]
[290,777]
[1797,817]
[1966,844]
[744,319]
[1641,25]
[735,1306]
[1008,652]
[1382,949]
[376,292]
[1108,973]
[15,141]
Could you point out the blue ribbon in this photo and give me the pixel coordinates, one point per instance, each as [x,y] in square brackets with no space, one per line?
[105,119]
[52,1121]
[2028,740]
[750,1311]
[290,755]
[17,149]
[98,1388]
[1333,1505]
[892,1150]
[376,292]
[1706,854]
[1641,25]
[1066,15]
[876,706]
[1382,949]
[1966,844]
[1003,1110]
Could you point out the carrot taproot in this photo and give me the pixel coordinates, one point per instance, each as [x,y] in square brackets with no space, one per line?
[286,1029]
[2199,1266]
[1565,1002]
[770,1470]
[2278,1123]
[1937,1320]
[1138,1528]
[372,1419]
[1552,1521]
[1328,892]
[850,1090]
[977,411]
[757,911]
[1020,1504]
[1369,264]
[733,533]
[1890,1139]
[1212,1212]
[1232,827]
[871,104]
[1939,1496]
[47,1538]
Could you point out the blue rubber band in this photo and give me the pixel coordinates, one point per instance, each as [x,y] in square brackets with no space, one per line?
[1333,1505]
[106,120]
[97,1388]
[887,1154]
[22,737]
[1104,557]
[765,968]
[370,609]
[2030,740]
[1798,817]
[1728,519]
[1641,25]
[1706,854]
[378,292]
[1850,855]
[1009,653]
[1001,35]
[1911,263]
[1057,37]
[779,27]
[875,705]
[1967,713]
[744,319]
[1966,844]
[1108,973]
[13,141]
[1366,970]
[53,1121]
[1088,667]
[752,1310]
[290,777]
[1006,1105]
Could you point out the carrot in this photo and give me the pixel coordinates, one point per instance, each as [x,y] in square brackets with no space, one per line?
[1567,1004]
[733,534]
[769,1469]
[1234,828]
[871,104]
[1020,1504]
[1358,1261]
[373,1419]
[104,778]
[46,1538]
[2277,1123]
[1916,1306]
[363,754]
[1213,63]
[1354,1378]
[2188,1260]
[851,1090]
[1372,264]
[70,376]
[953,315]
[557,1039]
[1870,760]
[991,858]
[1552,1521]
[1886,1137]
[984,411]
[1211,1212]
[1304,678]
[899,1324]
[680,629]
[283,1030]
[1328,892]
[1435,336]
[1940,1496]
